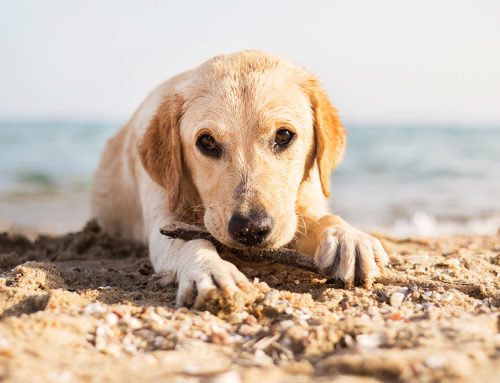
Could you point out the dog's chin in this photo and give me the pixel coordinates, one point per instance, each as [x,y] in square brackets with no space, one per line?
[240,246]
[260,246]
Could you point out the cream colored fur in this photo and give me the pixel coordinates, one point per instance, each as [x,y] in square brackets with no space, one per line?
[152,172]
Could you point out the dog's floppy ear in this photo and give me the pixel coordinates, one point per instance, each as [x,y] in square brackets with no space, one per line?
[328,132]
[160,148]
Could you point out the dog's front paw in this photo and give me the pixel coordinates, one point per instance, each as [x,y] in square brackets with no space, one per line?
[350,255]
[211,283]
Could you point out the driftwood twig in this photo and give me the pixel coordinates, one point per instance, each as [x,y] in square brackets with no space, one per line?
[281,256]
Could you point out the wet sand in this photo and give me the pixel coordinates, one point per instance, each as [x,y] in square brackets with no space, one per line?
[87,308]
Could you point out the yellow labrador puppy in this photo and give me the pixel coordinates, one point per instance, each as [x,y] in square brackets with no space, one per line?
[244,144]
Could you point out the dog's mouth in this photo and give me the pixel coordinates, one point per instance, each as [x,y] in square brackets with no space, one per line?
[239,246]
[270,244]
[247,243]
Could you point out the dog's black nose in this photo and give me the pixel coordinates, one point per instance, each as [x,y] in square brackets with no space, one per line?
[251,229]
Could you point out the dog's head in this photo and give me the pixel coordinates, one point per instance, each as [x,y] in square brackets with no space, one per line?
[247,129]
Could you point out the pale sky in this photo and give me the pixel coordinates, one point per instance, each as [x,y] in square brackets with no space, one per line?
[382,62]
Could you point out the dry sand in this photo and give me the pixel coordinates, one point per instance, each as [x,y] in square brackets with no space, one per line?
[86,307]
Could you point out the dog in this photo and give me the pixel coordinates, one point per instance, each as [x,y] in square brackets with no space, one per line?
[244,144]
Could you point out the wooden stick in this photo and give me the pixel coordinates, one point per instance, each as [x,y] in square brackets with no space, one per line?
[283,256]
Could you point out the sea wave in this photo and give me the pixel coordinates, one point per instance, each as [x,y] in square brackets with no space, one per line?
[422,224]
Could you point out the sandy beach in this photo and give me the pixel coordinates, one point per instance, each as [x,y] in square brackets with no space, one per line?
[84,307]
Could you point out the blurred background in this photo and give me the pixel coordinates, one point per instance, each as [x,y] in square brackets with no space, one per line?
[417,86]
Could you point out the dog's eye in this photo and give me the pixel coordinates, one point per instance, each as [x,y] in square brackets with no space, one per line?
[208,146]
[283,138]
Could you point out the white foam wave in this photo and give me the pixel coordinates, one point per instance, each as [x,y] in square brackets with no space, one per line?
[424,224]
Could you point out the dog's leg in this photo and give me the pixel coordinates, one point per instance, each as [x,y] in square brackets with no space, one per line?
[197,268]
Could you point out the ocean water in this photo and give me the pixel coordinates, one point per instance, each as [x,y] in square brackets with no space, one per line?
[402,180]
[421,180]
